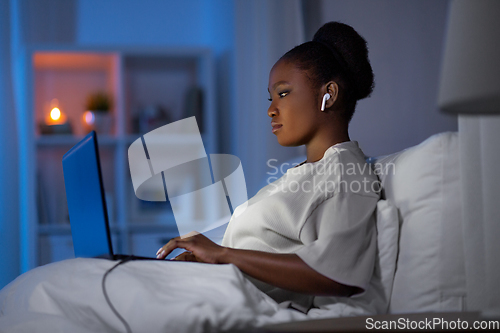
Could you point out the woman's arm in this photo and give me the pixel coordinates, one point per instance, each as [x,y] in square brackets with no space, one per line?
[285,271]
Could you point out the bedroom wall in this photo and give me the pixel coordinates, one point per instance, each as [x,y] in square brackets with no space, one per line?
[148,22]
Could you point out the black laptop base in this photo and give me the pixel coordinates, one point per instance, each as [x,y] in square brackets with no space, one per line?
[116,257]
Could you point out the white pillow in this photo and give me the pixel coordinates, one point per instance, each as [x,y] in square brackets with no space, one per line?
[387,246]
[423,183]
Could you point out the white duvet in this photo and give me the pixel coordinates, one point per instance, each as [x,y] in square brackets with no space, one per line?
[165,296]
[152,296]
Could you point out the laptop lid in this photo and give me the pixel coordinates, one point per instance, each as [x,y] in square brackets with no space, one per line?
[88,215]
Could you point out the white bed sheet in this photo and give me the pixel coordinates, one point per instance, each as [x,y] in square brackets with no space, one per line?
[152,296]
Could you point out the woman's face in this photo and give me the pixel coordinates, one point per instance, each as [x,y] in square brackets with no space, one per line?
[294,105]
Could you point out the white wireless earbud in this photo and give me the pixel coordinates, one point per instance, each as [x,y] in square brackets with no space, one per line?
[325,98]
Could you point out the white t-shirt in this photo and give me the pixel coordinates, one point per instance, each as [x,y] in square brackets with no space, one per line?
[325,212]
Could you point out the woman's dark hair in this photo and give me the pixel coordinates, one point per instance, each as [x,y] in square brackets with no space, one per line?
[336,53]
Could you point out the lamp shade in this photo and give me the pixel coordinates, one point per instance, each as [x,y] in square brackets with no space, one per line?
[470,76]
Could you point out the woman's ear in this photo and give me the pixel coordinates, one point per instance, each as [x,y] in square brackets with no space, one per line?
[332,89]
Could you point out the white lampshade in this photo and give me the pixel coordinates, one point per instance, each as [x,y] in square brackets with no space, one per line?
[470,76]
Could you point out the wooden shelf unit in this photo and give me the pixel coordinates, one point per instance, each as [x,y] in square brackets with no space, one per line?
[136,78]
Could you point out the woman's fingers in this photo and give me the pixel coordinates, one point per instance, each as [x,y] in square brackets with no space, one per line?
[202,248]
[174,243]
[161,253]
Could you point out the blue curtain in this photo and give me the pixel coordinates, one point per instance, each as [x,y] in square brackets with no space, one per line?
[9,197]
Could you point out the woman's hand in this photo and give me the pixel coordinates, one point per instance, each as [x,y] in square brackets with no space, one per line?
[199,248]
[283,270]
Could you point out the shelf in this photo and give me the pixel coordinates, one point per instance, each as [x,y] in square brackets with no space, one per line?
[175,84]
[70,78]
[70,140]
[64,229]
[73,61]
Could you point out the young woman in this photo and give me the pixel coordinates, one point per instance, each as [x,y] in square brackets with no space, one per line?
[311,232]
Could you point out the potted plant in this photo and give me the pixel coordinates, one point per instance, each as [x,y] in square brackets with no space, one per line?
[98,114]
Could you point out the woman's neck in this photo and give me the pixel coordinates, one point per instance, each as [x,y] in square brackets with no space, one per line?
[315,149]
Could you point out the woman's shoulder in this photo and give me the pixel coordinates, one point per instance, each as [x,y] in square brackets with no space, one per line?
[345,165]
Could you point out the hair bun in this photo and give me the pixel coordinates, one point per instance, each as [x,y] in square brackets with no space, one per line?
[353,49]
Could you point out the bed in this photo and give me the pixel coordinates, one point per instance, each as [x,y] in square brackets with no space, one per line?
[420,264]
[151,296]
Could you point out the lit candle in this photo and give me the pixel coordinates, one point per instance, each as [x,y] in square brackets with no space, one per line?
[55,116]
[55,122]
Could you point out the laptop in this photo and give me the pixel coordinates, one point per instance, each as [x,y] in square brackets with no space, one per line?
[85,194]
